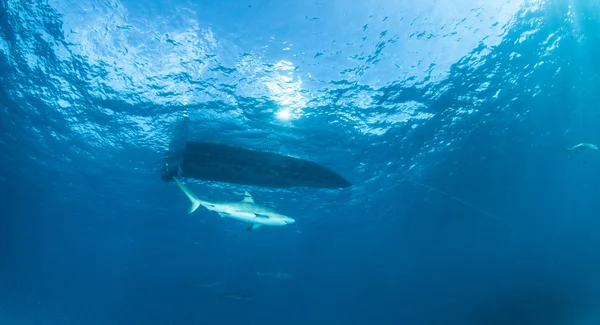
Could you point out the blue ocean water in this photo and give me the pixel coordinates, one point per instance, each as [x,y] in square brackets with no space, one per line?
[447,116]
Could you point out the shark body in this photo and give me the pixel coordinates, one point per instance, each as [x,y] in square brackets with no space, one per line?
[581,147]
[245,210]
[275,275]
[235,296]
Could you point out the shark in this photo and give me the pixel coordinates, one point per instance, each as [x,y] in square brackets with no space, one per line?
[235,296]
[275,275]
[245,210]
[581,147]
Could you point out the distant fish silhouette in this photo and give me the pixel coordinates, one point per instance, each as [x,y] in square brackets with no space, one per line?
[206,285]
[276,275]
[580,147]
[235,296]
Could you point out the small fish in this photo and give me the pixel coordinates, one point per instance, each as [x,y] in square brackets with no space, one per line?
[580,147]
[235,296]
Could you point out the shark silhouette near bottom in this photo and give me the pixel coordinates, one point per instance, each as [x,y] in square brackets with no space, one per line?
[235,296]
[245,210]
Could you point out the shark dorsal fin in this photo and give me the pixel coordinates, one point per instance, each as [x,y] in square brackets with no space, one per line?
[247,197]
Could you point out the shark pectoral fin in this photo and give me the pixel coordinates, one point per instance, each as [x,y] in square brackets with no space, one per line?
[253,226]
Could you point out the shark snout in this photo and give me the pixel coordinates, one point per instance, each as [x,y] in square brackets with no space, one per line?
[289,221]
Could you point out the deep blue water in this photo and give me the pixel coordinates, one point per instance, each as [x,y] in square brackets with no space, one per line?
[446,116]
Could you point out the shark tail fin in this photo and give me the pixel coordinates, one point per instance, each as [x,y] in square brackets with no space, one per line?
[568,150]
[193,198]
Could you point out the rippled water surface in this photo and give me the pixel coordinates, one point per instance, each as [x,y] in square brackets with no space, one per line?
[447,116]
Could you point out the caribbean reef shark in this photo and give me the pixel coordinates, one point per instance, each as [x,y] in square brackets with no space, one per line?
[581,147]
[245,210]
[235,296]
[275,275]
